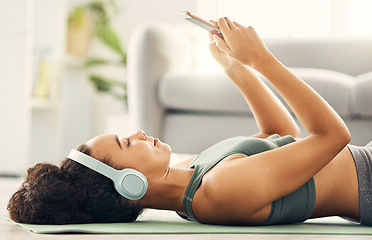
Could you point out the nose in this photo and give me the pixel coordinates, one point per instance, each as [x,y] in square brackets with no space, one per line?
[141,135]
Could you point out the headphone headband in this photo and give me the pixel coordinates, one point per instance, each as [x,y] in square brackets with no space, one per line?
[93,164]
[128,182]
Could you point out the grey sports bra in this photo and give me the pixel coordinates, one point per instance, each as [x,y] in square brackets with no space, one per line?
[295,207]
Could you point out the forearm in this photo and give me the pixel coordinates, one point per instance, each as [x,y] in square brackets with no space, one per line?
[319,119]
[270,114]
[311,109]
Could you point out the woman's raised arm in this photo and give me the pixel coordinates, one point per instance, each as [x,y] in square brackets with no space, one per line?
[244,45]
[270,114]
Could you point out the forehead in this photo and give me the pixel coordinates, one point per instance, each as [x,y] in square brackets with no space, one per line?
[102,144]
[101,139]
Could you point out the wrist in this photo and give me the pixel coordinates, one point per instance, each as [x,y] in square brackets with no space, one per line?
[264,62]
[237,72]
[233,66]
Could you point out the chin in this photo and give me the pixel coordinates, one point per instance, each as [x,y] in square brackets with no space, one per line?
[169,150]
[169,147]
[166,146]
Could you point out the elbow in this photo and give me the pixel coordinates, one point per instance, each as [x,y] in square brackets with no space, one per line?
[344,134]
[335,132]
[341,138]
[344,140]
[293,129]
[347,137]
[296,131]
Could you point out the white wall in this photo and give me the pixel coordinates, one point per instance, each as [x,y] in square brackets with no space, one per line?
[27,28]
[131,15]
[15,44]
[301,18]
[136,12]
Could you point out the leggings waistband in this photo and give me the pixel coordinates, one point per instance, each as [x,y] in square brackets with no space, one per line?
[363,162]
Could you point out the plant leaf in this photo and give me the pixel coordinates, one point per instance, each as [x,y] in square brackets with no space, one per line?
[99,12]
[77,16]
[100,83]
[96,61]
[109,37]
[104,84]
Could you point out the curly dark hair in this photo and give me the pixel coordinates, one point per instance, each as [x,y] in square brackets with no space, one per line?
[69,194]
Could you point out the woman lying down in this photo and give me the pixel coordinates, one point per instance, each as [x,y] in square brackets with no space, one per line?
[269,178]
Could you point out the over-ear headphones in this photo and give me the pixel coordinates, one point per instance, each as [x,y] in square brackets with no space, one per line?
[128,182]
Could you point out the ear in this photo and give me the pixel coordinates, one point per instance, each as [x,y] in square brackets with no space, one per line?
[131,184]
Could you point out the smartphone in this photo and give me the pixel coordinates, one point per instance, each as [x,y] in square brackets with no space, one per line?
[199,22]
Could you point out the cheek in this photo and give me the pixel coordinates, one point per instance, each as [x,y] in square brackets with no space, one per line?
[144,154]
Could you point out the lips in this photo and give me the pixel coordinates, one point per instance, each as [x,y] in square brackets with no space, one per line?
[155,141]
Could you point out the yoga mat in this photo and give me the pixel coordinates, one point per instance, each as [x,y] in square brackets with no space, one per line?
[165,222]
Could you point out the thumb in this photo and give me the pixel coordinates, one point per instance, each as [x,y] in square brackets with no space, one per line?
[221,44]
[213,48]
[213,31]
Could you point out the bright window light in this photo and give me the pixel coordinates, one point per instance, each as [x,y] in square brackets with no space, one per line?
[360,17]
[296,18]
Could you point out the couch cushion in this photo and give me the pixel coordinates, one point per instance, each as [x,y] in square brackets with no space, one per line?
[348,55]
[334,87]
[214,92]
[362,96]
[200,91]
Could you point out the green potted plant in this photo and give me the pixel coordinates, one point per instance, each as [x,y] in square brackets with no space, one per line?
[98,13]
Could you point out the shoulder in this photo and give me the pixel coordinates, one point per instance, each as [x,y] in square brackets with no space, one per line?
[217,202]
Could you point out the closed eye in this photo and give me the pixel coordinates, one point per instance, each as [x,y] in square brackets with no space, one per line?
[117,141]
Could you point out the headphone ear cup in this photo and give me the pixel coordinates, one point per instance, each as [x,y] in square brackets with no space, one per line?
[132,185]
[128,182]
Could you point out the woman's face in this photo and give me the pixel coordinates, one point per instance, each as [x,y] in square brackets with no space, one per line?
[146,154]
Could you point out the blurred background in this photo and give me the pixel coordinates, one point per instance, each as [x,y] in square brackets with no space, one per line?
[63,62]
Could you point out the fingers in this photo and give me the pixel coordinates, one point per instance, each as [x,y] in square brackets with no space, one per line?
[226,23]
[221,44]
[226,27]
[214,50]
[229,23]
[218,32]
[213,22]
[238,25]
[223,25]
[213,31]
[230,31]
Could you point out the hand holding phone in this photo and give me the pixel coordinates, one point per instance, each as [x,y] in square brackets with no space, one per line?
[199,22]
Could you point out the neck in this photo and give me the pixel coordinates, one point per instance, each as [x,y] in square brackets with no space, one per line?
[168,192]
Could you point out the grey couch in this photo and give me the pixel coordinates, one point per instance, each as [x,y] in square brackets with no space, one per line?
[179,95]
